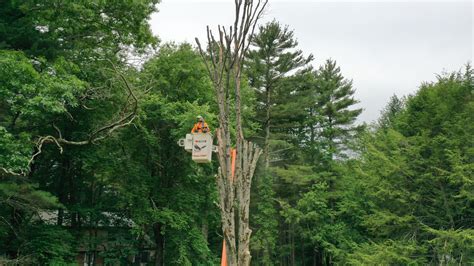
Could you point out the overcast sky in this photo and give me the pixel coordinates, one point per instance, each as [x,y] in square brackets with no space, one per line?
[385,47]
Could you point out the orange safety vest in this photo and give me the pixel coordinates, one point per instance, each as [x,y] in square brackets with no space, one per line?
[200,127]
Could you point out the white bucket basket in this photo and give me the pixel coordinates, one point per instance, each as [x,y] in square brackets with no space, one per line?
[201,147]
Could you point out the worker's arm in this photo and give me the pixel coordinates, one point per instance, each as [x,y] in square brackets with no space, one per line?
[194,128]
[206,128]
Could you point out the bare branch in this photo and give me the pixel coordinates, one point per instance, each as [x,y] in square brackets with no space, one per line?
[10,172]
[39,146]
[204,59]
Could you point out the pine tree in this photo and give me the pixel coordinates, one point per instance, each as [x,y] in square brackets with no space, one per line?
[388,114]
[274,56]
[331,121]
[325,136]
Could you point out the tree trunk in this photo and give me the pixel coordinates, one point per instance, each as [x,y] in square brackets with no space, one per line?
[225,185]
[303,258]
[292,242]
[205,218]
[247,158]
[266,146]
[63,192]
[224,66]
[205,228]
[314,257]
[159,242]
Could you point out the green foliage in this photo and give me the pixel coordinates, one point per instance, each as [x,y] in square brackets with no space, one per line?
[26,197]
[14,154]
[169,197]
[177,73]
[264,239]
[21,203]
[75,28]
[49,245]
[390,112]
[415,174]
[33,89]
[452,246]
[388,253]
[31,93]
[56,80]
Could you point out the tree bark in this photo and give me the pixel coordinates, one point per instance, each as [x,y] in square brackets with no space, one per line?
[247,161]
[266,147]
[159,242]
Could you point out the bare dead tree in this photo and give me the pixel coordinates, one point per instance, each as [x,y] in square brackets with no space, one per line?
[125,117]
[223,59]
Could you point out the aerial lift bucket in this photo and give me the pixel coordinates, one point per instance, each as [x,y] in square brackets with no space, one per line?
[200,145]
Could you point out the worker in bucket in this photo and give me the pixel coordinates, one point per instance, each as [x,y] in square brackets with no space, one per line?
[200,126]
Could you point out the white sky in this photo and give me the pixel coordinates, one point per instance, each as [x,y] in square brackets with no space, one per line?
[386,47]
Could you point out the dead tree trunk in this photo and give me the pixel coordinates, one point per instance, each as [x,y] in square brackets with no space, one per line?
[223,58]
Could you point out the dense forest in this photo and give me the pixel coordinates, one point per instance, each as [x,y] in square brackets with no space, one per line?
[92,105]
